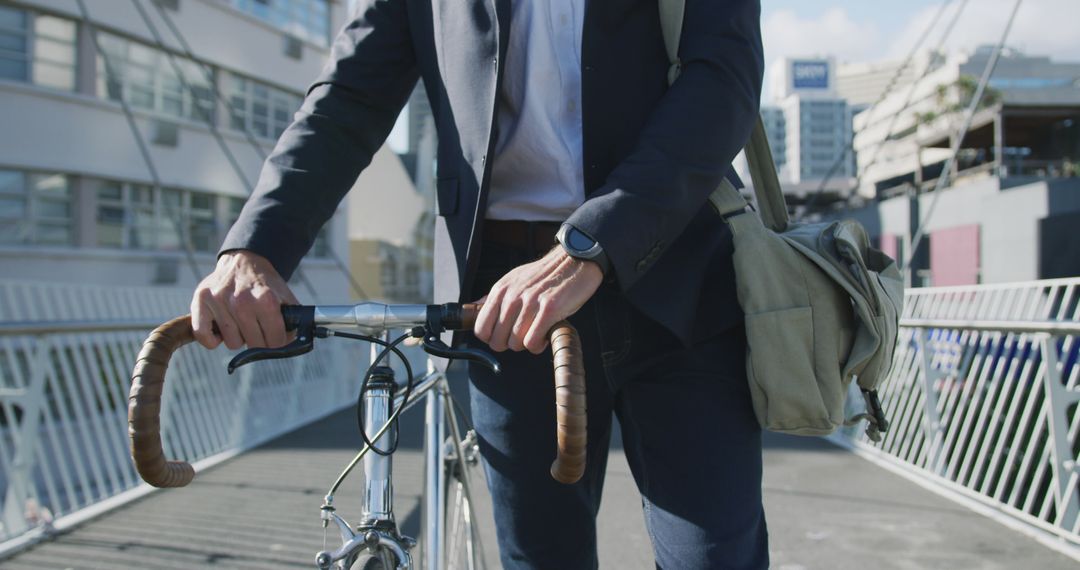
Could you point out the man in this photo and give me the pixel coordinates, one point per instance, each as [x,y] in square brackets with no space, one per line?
[553,115]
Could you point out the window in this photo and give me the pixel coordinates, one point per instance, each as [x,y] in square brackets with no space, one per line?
[202,222]
[307,19]
[259,108]
[388,271]
[37,48]
[146,78]
[134,216]
[235,205]
[35,209]
[111,217]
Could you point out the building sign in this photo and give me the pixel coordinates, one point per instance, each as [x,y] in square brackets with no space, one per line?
[810,74]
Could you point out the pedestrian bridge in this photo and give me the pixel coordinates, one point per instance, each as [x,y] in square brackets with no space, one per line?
[979,468]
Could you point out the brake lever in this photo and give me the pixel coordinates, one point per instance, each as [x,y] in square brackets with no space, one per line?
[436,347]
[302,345]
[300,319]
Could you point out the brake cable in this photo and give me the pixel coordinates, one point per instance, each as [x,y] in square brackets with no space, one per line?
[368,441]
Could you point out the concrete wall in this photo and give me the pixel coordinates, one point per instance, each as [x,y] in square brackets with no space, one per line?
[131,268]
[79,134]
[1007,217]
[384,204]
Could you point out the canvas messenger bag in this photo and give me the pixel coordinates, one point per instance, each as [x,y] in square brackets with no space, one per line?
[821,305]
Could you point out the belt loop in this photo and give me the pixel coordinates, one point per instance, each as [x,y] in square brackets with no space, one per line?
[530,235]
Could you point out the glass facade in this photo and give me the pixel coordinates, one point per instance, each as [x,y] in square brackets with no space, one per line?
[35,209]
[263,110]
[145,77]
[53,209]
[825,129]
[37,48]
[134,216]
[41,49]
[307,19]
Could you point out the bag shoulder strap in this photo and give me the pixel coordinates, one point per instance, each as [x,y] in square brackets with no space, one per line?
[770,197]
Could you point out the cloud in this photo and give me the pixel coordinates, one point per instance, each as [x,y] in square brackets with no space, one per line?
[833,32]
[1042,27]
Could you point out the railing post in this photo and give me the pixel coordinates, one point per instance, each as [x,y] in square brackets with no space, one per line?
[296,386]
[21,480]
[1058,400]
[237,434]
[932,419]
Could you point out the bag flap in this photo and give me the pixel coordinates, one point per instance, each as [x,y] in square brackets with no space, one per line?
[817,244]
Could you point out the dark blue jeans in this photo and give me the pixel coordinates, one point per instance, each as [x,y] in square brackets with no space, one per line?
[688,429]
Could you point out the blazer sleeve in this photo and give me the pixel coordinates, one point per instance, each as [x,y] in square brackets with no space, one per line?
[346,116]
[688,142]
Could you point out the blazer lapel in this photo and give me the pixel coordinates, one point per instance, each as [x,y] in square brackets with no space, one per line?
[470,39]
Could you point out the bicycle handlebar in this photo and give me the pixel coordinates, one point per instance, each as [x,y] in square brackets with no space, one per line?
[148,381]
[144,405]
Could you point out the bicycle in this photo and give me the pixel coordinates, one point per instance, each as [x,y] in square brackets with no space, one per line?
[451,459]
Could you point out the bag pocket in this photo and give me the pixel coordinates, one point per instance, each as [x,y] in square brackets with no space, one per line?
[781,372]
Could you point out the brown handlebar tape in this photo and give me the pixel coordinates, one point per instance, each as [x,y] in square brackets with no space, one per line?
[148,381]
[570,415]
[144,405]
[469,312]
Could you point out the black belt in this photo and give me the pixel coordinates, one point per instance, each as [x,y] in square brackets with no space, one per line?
[535,237]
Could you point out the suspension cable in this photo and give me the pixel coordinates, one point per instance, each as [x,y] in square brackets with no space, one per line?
[144,150]
[910,95]
[182,79]
[969,116]
[881,97]
[252,141]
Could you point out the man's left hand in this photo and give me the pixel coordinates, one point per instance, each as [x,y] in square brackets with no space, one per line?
[522,307]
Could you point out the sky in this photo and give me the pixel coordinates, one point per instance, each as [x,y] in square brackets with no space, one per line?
[873,30]
[870,30]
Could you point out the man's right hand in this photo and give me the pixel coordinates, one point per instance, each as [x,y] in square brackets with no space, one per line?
[240,303]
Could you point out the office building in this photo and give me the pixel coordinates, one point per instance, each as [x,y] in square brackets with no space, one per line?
[809,128]
[906,140]
[864,83]
[210,85]
[1010,204]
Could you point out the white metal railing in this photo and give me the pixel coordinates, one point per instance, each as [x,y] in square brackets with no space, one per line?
[983,395]
[66,353]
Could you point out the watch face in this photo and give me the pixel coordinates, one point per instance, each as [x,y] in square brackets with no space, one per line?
[578,241]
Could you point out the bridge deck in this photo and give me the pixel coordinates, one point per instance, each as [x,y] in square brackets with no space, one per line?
[826,509]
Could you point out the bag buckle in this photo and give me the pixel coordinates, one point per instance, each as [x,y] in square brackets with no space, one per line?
[876,423]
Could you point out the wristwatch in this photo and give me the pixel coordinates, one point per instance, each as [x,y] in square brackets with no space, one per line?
[580,245]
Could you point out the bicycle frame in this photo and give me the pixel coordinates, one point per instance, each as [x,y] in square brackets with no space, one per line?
[447,464]
[378,529]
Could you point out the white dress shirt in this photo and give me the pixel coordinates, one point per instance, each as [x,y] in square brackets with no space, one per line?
[537,173]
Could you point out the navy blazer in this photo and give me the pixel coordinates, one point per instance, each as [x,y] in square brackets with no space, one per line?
[652,154]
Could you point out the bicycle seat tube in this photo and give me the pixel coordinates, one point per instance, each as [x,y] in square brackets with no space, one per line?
[378,508]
